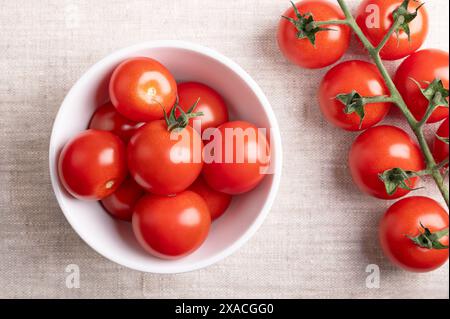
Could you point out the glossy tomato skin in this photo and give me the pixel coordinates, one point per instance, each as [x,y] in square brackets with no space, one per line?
[242,169]
[120,204]
[344,78]
[217,202]
[106,118]
[92,165]
[330,45]
[139,87]
[171,227]
[423,66]
[403,219]
[379,149]
[211,104]
[163,162]
[441,149]
[375,29]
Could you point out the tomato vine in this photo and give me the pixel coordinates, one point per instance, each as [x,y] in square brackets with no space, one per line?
[434,91]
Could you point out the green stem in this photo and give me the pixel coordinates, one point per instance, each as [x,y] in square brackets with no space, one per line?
[396,97]
[425,172]
[388,35]
[441,233]
[377,99]
[425,118]
[330,22]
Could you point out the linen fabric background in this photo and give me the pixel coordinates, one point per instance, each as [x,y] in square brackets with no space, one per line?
[321,233]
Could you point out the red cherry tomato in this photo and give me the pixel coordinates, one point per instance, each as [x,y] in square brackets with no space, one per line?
[139,87]
[92,164]
[171,227]
[440,148]
[217,202]
[120,204]
[163,162]
[329,46]
[344,78]
[375,18]
[211,104]
[379,149]
[236,162]
[106,118]
[404,220]
[424,67]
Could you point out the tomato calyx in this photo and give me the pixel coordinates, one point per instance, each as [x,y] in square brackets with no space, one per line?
[354,103]
[429,240]
[178,123]
[305,25]
[405,17]
[435,93]
[397,178]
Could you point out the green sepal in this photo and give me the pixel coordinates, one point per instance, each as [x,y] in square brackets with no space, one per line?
[180,122]
[435,93]
[354,103]
[396,178]
[430,240]
[443,139]
[402,11]
[306,28]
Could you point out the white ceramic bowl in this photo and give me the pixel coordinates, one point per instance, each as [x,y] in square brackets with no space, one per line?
[114,239]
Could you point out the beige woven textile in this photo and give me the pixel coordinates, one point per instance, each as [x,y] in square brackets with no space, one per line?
[321,233]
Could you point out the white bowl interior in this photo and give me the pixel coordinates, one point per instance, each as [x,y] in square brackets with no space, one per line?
[114,239]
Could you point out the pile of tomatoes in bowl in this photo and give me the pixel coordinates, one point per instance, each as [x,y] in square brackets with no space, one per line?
[384,160]
[164,156]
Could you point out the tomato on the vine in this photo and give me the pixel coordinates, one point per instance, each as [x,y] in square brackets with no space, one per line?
[106,118]
[210,103]
[165,162]
[236,162]
[440,146]
[294,36]
[120,204]
[345,78]
[140,88]
[414,234]
[92,164]
[376,17]
[171,227]
[422,68]
[217,202]
[379,149]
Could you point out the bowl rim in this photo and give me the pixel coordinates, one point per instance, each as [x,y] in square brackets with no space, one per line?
[257,222]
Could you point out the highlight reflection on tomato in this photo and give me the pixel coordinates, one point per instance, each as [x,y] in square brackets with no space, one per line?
[92,164]
[379,149]
[423,67]
[236,163]
[163,162]
[329,46]
[375,18]
[344,78]
[171,227]
[140,88]
[405,220]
